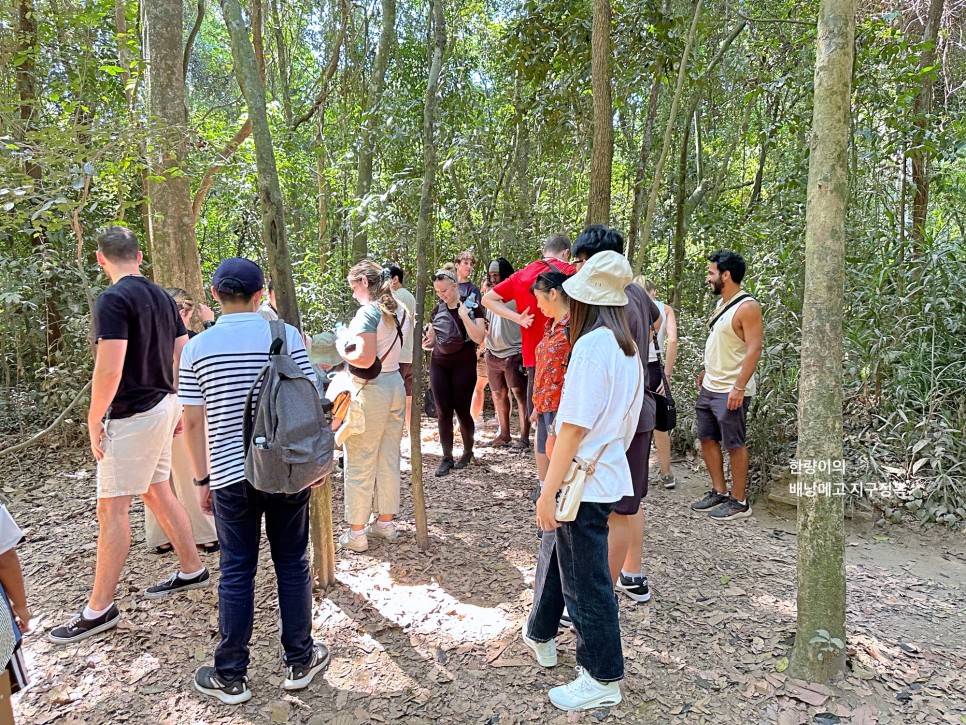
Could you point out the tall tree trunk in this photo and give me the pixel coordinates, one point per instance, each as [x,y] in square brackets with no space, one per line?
[637,205]
[602,160]
[269,189]
[819,651]
[367,139]
[923,107]
[171,221]
[666,147]
[680,219]
[282,60]
[430,113]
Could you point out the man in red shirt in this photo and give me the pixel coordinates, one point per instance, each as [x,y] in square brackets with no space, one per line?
[516,287]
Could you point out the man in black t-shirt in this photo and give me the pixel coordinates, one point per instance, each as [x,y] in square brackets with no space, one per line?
[132,418]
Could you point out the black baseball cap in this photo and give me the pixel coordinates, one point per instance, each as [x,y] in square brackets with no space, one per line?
[237,275]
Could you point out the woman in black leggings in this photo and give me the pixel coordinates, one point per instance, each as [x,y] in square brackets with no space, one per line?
[457,328]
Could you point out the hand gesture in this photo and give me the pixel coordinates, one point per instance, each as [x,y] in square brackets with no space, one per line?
[526,318]
[205,313]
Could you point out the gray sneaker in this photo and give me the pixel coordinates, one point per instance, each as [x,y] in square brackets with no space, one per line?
[731,510]
[669,481]
[711,499]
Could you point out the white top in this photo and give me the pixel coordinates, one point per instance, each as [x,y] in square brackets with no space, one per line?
[598,395]
[724,352]
[369,318]
[661,334]
[405,298]
[10,533]
[218,366]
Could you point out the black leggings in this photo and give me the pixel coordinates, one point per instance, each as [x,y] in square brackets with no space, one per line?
[452,384]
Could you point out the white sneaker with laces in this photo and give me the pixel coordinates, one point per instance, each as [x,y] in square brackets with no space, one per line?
[546,652]
[353,543]
[388,533]
[585,693]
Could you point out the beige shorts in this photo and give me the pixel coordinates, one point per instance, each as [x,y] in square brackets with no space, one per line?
[137,450]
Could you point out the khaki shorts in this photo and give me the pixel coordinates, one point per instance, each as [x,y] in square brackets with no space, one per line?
[137,450]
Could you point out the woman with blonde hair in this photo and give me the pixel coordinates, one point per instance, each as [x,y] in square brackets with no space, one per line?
[456,328]
[666,339]
[202,525]
[371,345]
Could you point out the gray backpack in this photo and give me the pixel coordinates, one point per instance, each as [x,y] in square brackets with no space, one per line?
[288,442]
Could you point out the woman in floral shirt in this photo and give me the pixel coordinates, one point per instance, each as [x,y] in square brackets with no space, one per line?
[552,354]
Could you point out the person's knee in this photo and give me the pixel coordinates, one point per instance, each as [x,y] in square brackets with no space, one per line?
[113,510]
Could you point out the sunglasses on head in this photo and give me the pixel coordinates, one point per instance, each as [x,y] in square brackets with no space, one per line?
[187,305]
[441,277]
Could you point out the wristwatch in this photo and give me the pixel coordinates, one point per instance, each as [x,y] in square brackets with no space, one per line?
[203,482]
[208,324]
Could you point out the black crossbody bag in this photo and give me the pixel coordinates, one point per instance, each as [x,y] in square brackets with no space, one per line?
[666,413]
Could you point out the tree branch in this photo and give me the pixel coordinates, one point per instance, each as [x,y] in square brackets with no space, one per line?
[330,70]
[209,178]
[776,20]
[36,437]
[189,44]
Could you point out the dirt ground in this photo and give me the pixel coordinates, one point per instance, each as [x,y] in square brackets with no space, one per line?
[433,637]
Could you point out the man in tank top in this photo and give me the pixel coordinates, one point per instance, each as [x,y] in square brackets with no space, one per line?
[726,385]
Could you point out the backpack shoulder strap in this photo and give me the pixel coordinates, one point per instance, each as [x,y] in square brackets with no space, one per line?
[279,333]
[736,301]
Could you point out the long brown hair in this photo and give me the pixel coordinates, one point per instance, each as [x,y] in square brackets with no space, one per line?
[380,289]
[584,318]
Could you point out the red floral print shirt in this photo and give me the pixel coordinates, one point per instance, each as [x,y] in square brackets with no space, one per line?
[553,353]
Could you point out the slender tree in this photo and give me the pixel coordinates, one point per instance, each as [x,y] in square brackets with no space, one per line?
[269,190]
[430,113]
[602,159]
[819,651]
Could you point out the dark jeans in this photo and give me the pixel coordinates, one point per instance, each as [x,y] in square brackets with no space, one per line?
[572,570]
[238,510]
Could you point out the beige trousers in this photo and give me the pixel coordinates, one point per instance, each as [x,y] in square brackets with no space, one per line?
[202,525]
[372,457]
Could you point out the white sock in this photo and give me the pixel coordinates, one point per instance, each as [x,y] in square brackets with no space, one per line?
[357,534]
[628,575]
[743,502]
[94,614]
[192,575]
[383,524]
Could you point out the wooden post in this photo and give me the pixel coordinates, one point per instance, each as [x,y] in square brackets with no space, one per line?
[323,542]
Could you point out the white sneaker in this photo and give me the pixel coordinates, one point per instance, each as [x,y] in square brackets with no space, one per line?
[546,652]
[353,543]
[388,533]
[585,693]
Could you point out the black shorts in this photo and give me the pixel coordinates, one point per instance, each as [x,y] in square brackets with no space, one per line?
[505,372]
[654,377]
[637,458]
[406,370]
[531,374]
[717,423]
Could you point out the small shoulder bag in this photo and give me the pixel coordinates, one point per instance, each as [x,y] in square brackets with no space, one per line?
[666,412]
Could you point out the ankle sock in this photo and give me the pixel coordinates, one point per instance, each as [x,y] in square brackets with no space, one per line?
[89,613]
[192,575]
[383,524]
[357,534]
[743,502]
[638,577]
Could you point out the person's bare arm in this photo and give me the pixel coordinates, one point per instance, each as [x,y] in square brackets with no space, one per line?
[670,340]
[495,304]
[364,354]
[565,448]
[475,327]
[11,577]
[108,367]
[197,445]
[748,325]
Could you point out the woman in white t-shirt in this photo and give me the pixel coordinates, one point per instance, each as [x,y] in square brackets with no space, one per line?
[376,333]
[597,418]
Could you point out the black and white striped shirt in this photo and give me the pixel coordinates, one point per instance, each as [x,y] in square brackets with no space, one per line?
[217,369]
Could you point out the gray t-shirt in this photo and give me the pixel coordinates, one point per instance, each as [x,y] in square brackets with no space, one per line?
[504,337]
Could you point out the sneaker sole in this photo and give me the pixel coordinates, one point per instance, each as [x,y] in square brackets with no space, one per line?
[224,696]
[306,679]
[608,700]
[542,661]
[184,588]
[733,517]
[361,550]
[567,624]
[640,598]
[89,633]
[374,534]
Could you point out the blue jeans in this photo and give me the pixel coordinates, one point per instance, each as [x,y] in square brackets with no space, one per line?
[238,510]
[572,570]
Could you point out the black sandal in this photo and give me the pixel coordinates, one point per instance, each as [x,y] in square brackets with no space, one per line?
[163,549]
[210,548]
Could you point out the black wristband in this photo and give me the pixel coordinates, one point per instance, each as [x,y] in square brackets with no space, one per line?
[203,482]
[208,324]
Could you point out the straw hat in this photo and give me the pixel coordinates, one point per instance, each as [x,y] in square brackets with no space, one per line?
[323,350]
[601,280]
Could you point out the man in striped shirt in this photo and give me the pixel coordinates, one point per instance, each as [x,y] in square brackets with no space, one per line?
[217,370]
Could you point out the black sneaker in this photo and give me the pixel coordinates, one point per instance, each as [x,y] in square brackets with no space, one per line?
[301,676]
[535,493]
[635,587]
[731,510]
[445,466]
[711,499]
[464,460]
[207,682]
[175,583]
[80,628]
[565,621]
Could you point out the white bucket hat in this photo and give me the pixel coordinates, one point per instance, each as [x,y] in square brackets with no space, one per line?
[601,280]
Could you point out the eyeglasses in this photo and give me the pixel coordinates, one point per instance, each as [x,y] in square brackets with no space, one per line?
[577,262]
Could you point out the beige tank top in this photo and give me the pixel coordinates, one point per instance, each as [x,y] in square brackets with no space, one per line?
[724,352]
